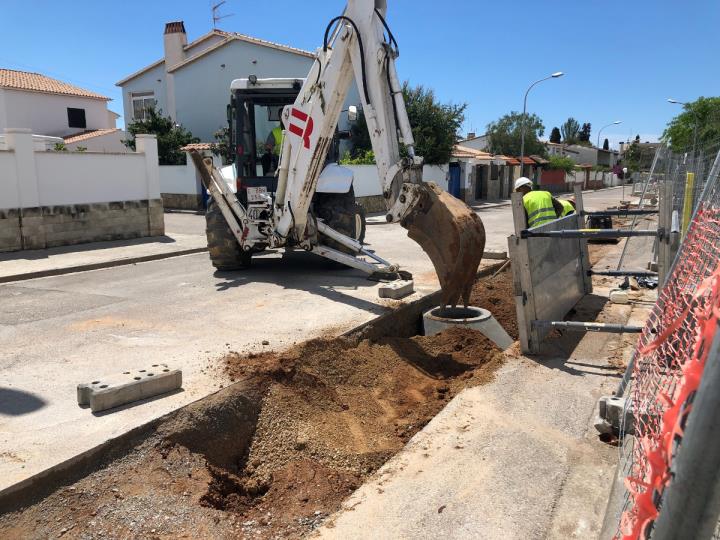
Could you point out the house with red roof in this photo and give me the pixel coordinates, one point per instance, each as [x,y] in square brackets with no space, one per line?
[51,107]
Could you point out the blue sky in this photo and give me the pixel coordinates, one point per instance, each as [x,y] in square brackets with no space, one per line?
[622,59]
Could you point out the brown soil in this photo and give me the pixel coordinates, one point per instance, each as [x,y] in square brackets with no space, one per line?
[276,453]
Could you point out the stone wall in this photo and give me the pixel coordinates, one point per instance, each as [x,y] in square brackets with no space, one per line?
[52,226]
[182,201]
[372,203]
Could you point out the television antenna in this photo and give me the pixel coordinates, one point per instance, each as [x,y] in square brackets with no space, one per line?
[216,16]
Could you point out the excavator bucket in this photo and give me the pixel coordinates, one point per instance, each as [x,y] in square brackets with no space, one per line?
[453,236]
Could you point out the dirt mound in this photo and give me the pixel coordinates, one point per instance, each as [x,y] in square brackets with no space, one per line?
[341,409]
[497,296]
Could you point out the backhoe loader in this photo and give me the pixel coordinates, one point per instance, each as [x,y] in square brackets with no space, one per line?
[292,200]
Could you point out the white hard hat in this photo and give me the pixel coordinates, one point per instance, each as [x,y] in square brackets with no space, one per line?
[522,181]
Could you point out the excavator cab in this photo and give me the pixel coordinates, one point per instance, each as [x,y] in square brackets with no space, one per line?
[253,118]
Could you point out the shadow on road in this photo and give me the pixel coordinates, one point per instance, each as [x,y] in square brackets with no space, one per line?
[558,349]
[16,402]
[302,271]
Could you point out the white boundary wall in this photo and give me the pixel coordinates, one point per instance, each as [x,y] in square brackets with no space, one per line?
[32,177]
[367,181]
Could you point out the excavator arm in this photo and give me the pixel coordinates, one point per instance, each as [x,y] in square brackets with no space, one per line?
[358,45]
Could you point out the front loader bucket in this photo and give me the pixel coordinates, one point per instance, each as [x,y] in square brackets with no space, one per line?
[452,235]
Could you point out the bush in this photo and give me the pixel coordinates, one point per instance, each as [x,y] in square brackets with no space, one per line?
[366,157]
[560,163]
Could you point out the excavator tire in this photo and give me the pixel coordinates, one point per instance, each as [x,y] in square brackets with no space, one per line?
[341,212]
[225,252]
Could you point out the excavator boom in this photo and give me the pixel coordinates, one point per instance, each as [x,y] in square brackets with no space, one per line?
[359,45]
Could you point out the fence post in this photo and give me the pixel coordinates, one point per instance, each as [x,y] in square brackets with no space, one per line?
[147,145]
[585,254]
[30,214]
[522,281]
[664,223]
[688,202]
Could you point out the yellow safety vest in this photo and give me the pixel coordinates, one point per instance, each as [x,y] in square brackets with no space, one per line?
[539,208]
[567,207]
[278,135]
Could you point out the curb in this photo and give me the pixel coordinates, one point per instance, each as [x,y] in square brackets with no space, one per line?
[98,266]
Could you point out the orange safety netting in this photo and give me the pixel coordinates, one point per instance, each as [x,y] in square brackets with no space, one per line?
[669,362]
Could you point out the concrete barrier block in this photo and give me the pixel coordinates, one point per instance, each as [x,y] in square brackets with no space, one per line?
[495,255]
[397,289]
[133,385]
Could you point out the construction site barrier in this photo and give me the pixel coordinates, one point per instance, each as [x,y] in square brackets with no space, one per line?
[590,233]
[670,466]
[623,212]
[549,276]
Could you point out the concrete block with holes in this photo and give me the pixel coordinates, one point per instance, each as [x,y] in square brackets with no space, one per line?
[397,289]
[133,385]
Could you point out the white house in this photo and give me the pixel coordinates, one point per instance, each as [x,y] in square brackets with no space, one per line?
[47,106]
[191,83]
[583,155]
[476,142]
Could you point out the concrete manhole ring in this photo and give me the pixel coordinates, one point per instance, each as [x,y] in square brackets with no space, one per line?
[441,318]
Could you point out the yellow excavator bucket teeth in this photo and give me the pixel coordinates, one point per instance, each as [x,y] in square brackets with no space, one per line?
[453,236]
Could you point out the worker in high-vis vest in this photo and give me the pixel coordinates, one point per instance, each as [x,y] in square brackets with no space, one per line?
[274,140]
[540,206]
[568,207]
[273,144]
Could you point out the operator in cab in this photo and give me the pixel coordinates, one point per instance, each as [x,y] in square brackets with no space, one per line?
[540,206]
[273,144]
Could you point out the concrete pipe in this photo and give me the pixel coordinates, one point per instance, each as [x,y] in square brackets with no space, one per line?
[438,319]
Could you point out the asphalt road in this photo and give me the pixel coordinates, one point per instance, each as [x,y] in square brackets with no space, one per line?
[57,332]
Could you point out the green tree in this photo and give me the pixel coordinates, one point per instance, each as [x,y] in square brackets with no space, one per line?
[504,135]
[584,135]
[606,145]
[170,136]
[221,146]
[570,131]
[435,126]
[703,114]
[555,135]
[560,162]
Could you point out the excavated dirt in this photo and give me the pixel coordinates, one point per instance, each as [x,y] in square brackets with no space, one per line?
[277,452]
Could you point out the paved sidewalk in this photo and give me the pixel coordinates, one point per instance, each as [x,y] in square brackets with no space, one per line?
[29,264]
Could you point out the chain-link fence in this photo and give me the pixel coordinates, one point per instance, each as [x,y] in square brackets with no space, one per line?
[670,396]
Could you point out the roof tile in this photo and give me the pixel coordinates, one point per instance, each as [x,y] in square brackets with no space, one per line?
[34,82]
[85,135]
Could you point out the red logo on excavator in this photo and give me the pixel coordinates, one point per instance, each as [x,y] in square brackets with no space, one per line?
[298,129]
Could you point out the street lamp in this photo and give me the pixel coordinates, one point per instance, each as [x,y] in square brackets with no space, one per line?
[616,122]
[555,75]
[695,124]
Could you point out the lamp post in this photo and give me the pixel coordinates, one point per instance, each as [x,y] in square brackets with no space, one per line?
[695,125]
[522,120]
[616,122]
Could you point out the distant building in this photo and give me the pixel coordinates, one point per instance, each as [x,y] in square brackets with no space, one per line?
[48,106]
[191,82]
[584,155]
[481,142]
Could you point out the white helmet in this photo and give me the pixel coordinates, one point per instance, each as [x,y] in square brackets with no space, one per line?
[522,181]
